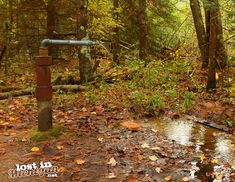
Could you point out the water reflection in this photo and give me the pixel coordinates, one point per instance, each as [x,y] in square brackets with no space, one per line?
[207,141]
[190,133]
[180,131]
[223,149]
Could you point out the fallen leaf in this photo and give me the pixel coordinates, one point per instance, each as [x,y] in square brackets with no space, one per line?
[12,119]
[132,180]
[35,149]
[202,157]
[84,109]
[145,145]
[168,178]
[158,169]
[153,158]
[61,169]
[112,162]
[100,139]
[24,140]
[218,176]
[111,176]
[80,161]
[2,151]
[185,179]
[93,113]
[56,158]
[214,161]
[60,147]
[131,125]
[156,148]
[140,157]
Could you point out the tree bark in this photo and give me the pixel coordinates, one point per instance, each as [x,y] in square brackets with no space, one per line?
[221,52]
[200,30]
[143,31]
[51,26]
[29,91]
[85,65]
[211,82]
[116,41]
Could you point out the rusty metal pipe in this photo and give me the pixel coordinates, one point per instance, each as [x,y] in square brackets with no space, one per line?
[46,42]
[43,77]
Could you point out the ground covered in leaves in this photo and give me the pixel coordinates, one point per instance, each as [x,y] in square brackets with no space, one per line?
[94,143]
[101,134]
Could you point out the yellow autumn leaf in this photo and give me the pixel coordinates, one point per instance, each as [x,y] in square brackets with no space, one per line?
[35,149]
[153,158]
[12,118]
[202,157]
[217,76]
[214,161]
[140,157]
[80,161]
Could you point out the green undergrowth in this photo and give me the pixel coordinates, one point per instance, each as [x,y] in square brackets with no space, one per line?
[56,131]
[159,85]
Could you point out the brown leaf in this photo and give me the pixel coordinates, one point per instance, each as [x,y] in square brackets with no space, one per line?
[131,125]
[132,180]
[56,158]
[80,161]
[168,178]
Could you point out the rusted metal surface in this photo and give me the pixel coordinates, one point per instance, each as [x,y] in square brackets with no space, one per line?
[43,76]
[43,61]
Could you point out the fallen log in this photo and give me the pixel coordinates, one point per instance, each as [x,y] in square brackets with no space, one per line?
[30,91]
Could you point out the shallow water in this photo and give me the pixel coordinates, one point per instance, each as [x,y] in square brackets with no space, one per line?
[210,142]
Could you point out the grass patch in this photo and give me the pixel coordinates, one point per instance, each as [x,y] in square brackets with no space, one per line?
[56,131]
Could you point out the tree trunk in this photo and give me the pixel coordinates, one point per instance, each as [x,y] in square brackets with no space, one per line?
[207,22]
[143,31]
[221,52]
[200,30]
[211,83]
[51,26]
[116,47]
[85,65]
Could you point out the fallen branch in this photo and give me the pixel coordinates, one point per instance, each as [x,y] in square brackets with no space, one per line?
[30,91]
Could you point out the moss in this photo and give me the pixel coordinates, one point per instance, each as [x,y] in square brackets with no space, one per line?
[56,131]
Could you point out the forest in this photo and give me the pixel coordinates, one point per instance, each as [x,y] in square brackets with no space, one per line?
[114,90]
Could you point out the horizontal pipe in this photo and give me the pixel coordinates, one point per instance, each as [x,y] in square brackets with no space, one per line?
[46,42]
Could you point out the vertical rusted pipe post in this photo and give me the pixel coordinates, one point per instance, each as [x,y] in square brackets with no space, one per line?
[44,90]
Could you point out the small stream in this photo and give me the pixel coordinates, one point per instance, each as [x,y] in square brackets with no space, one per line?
[215,146]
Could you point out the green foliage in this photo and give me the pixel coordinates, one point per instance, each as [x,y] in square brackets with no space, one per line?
[102,22]
[189,98]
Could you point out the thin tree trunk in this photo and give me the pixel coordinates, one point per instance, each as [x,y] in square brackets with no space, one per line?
[51,26]
[200,30]
[85,65]
[116,47]
[143,31]
[207,22]
[221,52]
[211,83]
